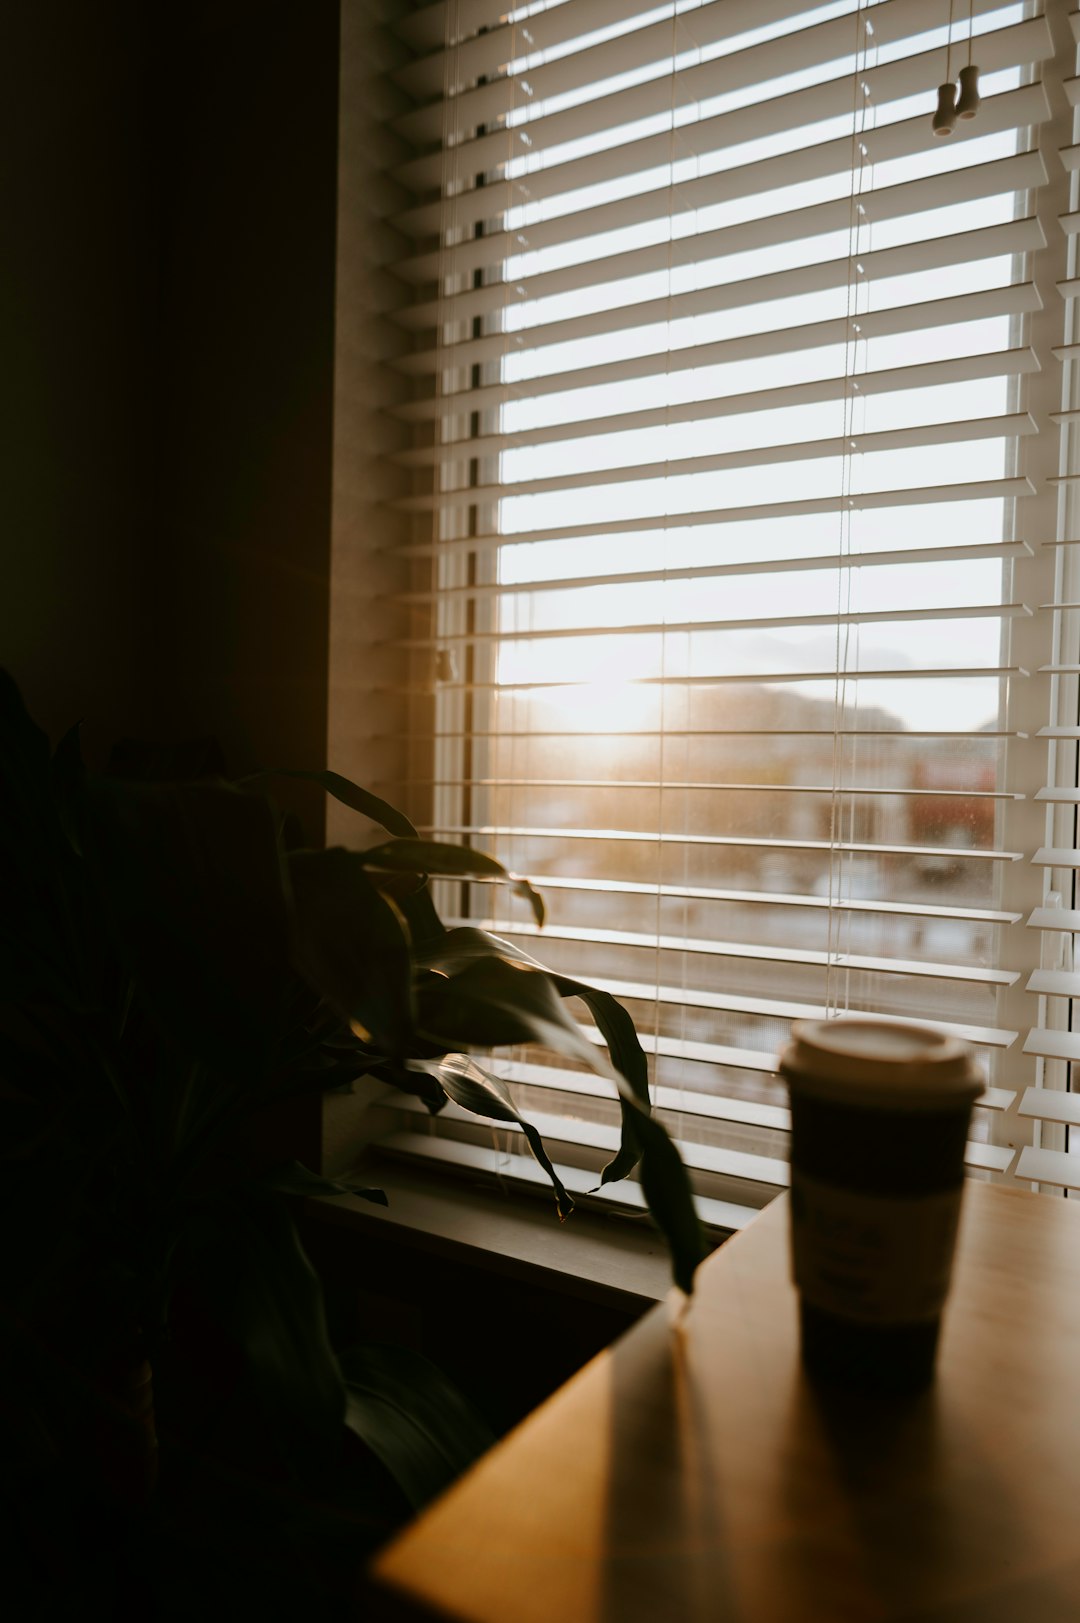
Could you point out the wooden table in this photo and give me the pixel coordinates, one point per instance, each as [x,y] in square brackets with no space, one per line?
[692,1473]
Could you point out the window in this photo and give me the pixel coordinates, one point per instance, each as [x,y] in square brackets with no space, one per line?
[741,612]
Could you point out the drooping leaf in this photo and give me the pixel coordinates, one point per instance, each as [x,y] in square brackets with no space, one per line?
[495,994]
[455,949]
[293,1178]
[628,1057]
[266,1295]
[458,948]
[352,945]
[475,1089]
[443,861]
[666,1187]
[348,793]
[412,1418]
[494,1001]
[407,1079]
[425,925]
[190,878]
[461,947]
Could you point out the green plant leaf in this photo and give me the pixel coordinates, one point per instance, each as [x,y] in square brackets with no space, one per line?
[477,1090]
[457,948]
[190,878]
[425,925]
[293,1178]
[443,861]
[494,994]
[493,1001]
[351,944]
[348,793]
[670,1199]
[628,1057]
[407,1080]
[266,1295]
[454,949]
[412,1418]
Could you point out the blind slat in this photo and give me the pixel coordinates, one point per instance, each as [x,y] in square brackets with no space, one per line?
[1014,425]
[759,677]
[1053,983]
[860,501]
[1054,1167]
[966,552]
[681,785]
[751,678]
[782,900]
[694,998]
[1055,918]
[717,841]
[1051,1104]
[824,391]
[511,637]
[723,730]
[978,974]
[1056,857]
[1053,1044]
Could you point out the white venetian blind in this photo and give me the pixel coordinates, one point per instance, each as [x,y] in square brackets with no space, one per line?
[727,374]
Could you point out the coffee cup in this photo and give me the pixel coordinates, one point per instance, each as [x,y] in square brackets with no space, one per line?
[880,1115]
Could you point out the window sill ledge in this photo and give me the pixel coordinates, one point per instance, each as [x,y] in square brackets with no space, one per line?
[620,1262]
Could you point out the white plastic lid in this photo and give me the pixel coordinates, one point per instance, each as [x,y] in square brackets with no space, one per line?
[864,1059]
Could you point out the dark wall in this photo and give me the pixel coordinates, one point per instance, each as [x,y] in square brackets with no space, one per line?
[75,425]
[167,300]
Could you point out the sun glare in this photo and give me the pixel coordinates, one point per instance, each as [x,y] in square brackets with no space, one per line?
[612,706]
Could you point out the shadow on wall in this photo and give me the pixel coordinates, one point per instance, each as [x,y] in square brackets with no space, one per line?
[168,289]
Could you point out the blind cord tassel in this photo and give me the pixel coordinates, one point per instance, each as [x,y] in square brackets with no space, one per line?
[968,104]
[944,121]
[949,107]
